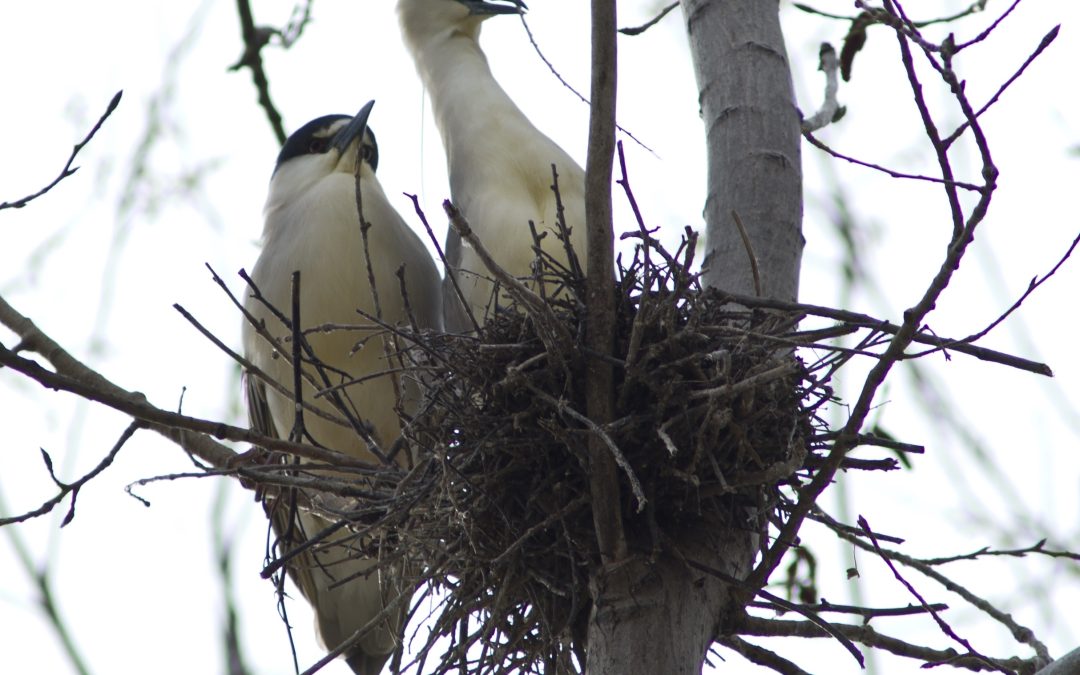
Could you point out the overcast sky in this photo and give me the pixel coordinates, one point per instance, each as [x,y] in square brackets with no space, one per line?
[99,262]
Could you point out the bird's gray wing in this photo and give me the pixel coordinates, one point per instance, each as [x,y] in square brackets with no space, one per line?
[259,418]
[289,534]
[454,317]
[288,527]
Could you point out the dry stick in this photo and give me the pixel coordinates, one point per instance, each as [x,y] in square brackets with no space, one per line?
[442,256]
[552,332]
[252,370]
[73,488]
[989,29]
[1032,285]
[866,613]
[986,551]
[638,30]
[298,431]
[254,40]
[732,388]
[339,399]
[890,172]
[945,627]
[1043,44]
[564,230]
[364,227]
[67,170]
[598,432]
[745,236]
[963,235]
[867,321]
[73,376]
[761,656]
[575,92]
[791,606]
[753,625]
[599,287]
[1020,633]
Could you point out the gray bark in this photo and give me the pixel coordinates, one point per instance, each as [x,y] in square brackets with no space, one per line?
[661,615]
[752,135]
[1066,665]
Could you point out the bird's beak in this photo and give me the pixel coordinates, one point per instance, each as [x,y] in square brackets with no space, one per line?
[482,8]
[353,130]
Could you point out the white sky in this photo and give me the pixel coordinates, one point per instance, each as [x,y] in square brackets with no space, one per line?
[138,586]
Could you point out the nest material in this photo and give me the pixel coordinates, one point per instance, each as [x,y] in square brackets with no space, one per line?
[708,424]
[711,419]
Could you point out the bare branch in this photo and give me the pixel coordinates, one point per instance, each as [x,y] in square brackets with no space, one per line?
[945,627]
[866,321]
[638,30]
[831,110]
[817,143]
[761,656]
[73,488]
[255,38]
[73,376]
[1043,44]
[575,92]
[752,625]
[67,170]
[446,266]
[599,292]
[1032,285]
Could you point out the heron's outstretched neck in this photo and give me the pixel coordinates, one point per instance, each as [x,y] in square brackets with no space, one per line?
[470,108]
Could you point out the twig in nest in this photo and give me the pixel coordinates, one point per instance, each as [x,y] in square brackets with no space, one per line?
[617,454]
[554,334]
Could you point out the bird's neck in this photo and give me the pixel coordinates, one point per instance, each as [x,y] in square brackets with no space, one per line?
[469,106]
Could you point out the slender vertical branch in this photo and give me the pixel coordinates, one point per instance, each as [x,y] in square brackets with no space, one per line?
[599,291]
[254,40]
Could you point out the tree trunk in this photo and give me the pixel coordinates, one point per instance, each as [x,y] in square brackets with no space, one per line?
[661,615]
[752,135]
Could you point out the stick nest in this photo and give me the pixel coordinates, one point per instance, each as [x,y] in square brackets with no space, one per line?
[497,512]
[713,415]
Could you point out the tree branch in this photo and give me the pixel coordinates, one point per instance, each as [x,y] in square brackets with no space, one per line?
[67,170]
[599,290]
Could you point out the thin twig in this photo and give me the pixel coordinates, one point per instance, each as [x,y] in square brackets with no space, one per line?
[451,274]
[67,170]
[73,488]
[255,39]
[598,431]
[869,322]
[814,141]
[638,30]
[749,246]
[1043,44]
[575,92]
[942,624]
[552,331]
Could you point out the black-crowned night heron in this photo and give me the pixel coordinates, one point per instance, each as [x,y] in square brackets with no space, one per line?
[312,225]
[499,163]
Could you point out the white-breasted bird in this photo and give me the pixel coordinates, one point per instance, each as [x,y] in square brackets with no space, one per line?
[499,162]
[312,225]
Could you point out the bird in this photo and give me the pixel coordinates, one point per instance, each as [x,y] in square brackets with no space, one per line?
[499,163]
[312,226]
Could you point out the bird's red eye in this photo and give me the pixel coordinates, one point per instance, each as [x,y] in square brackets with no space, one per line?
[317,146]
